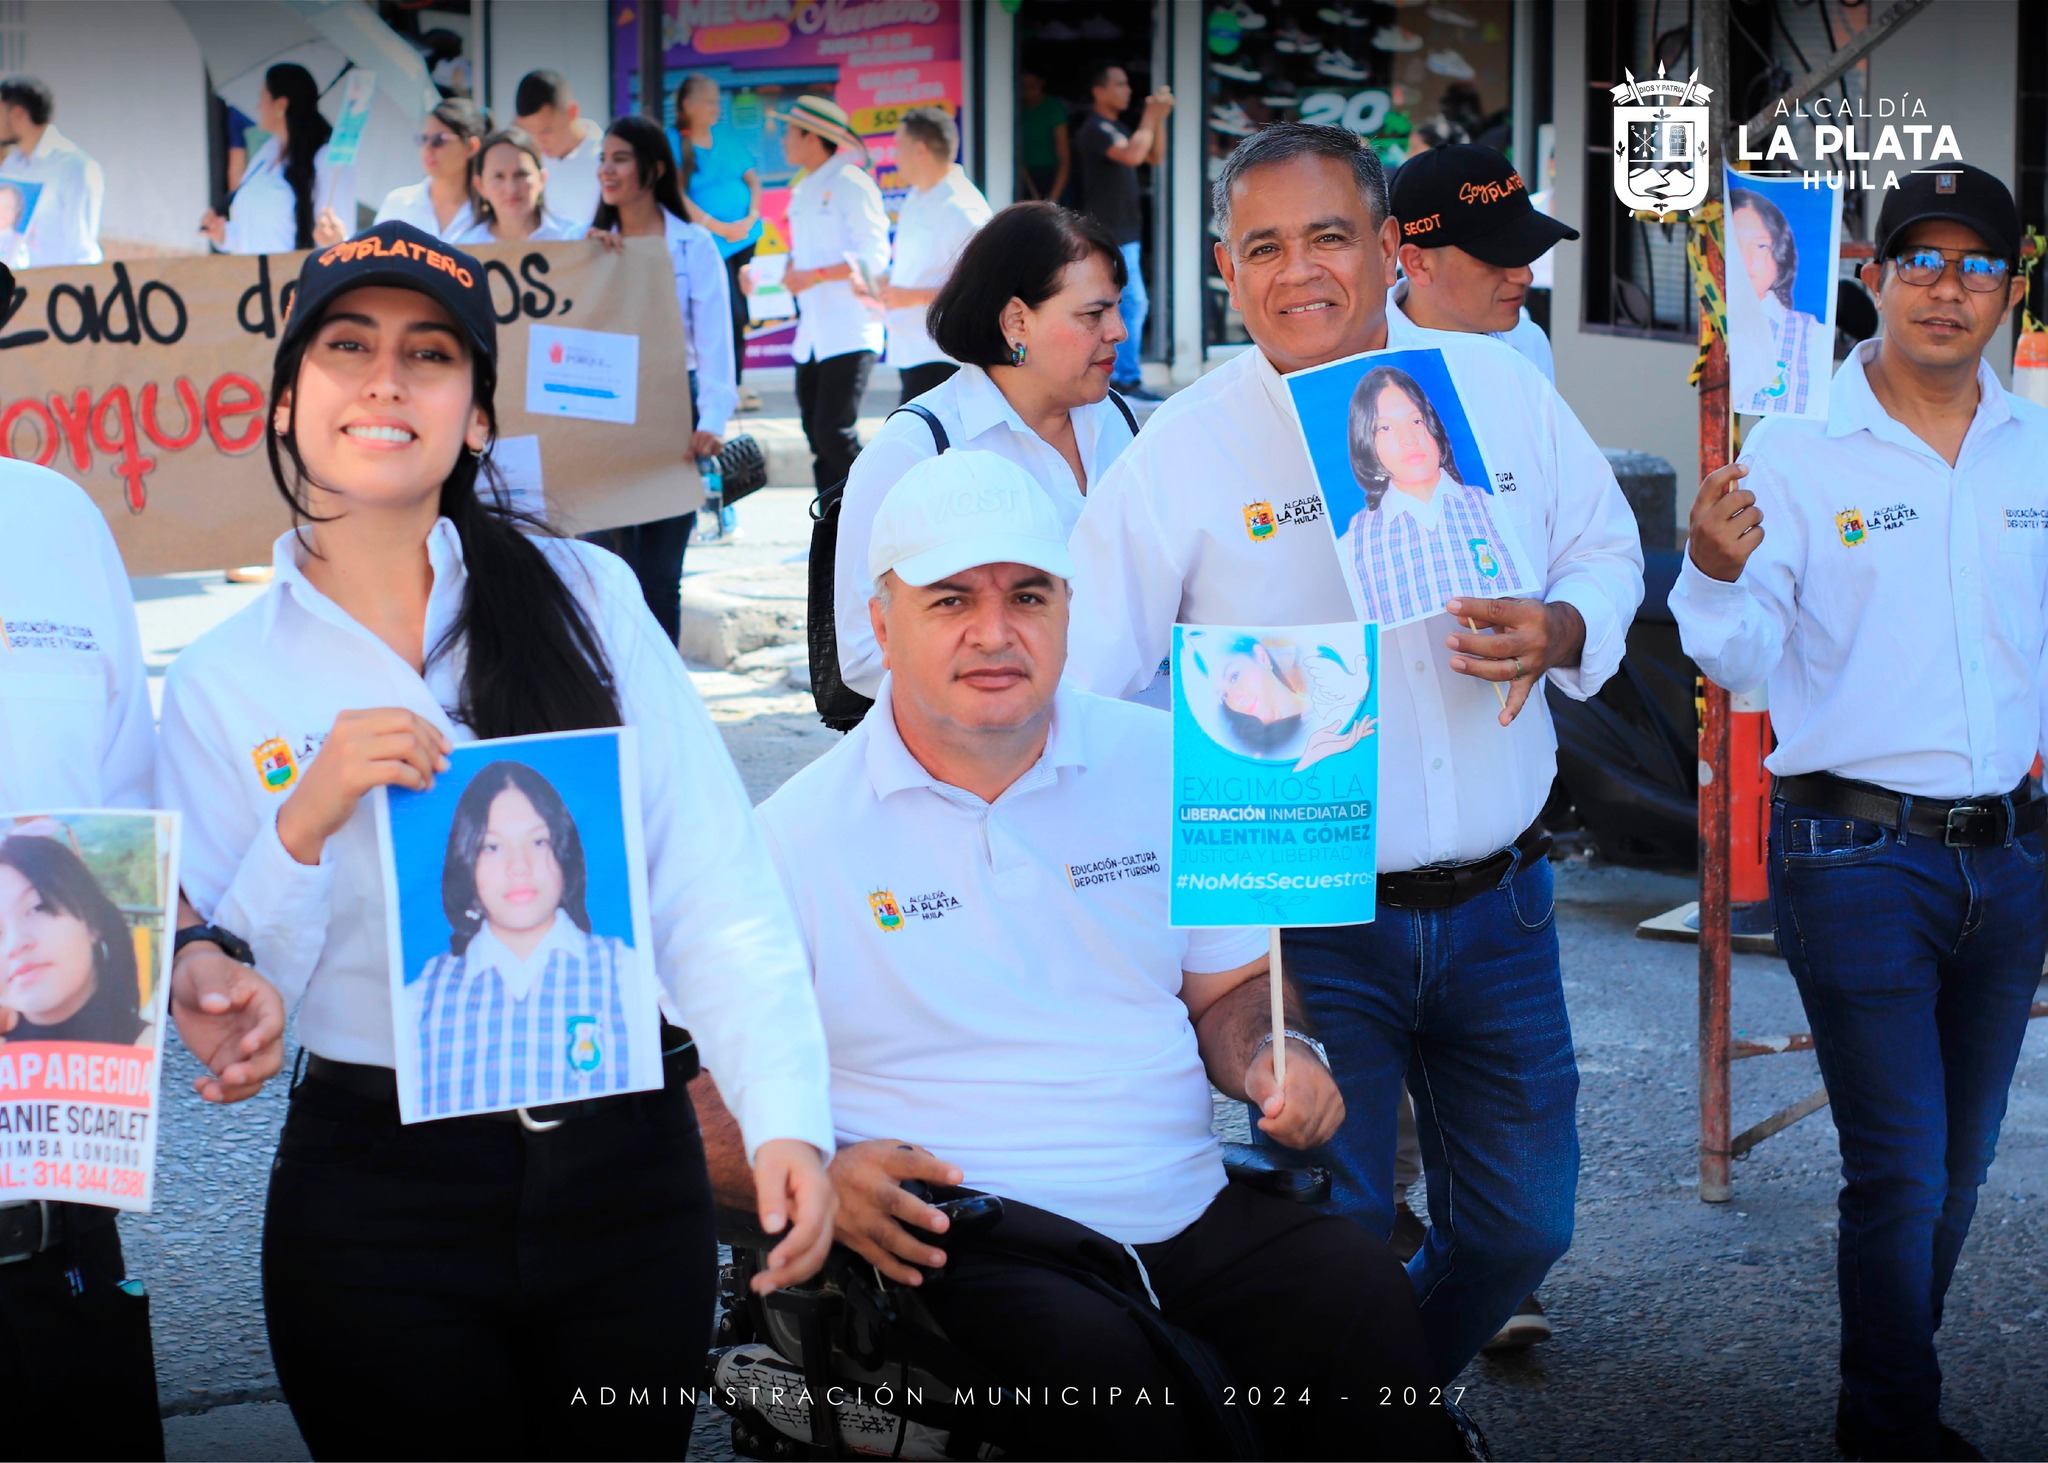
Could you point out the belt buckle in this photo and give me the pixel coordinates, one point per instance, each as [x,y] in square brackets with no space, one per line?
[43,1238]
[533,1124]
[1958,834]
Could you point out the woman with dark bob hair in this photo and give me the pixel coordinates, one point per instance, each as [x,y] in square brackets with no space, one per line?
[1030,312]
[478,1275]
[67,963]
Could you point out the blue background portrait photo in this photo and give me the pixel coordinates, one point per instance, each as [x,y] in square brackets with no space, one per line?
[1810,212]
[1322,401]
[584,770]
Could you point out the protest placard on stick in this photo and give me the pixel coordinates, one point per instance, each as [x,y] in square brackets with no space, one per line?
[147,382]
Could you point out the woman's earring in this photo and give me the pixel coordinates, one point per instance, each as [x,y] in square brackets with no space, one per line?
[1016,353]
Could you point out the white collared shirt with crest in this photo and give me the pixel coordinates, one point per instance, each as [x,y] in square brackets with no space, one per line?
[834,212]
[247,706]
[1898,607]
[977,418]
[998,981]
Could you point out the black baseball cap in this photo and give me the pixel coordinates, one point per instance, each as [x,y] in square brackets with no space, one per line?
[399,255]
[1962,194]
[1471,196]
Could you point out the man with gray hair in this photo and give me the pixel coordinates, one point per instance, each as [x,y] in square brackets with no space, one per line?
[1214,517]
[940,213]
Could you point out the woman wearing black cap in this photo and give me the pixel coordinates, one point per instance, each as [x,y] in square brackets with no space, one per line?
[464,1287]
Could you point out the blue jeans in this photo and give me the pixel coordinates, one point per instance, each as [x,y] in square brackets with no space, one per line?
[1917,963]
[1466,1005]
[1135,306]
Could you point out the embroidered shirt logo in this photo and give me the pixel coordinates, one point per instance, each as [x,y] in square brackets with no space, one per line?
[48,635]
[1259,522]
[585,1055]
[2034,518]
[275,764]
[1110,870]
[1301,510]
[1849,524]
[888,914]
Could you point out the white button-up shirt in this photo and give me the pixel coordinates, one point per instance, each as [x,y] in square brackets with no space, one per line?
[932,227]
[571,189]
[263,215]
[1526,338]
[1165,538]
[834,212]
[281,671]
[552,227]
[1897,607]
[75,724]
[977,418]
[704,293]
[414,204]
[65,228]
[998,980]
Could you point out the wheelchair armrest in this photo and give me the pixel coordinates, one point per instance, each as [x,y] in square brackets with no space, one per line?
[1270,1171]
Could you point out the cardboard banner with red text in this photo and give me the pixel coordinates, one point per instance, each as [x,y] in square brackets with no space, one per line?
[146,382]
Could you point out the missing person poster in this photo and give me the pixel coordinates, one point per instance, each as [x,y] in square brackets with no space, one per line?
[17,206]
[1275,774]
[88,906]
[522,971]
[1781,245]
[1402,472]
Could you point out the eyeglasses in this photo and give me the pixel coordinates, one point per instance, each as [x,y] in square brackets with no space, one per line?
[1981,273]
[435,140]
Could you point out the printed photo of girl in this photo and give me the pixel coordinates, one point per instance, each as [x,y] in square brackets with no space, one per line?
[67,957]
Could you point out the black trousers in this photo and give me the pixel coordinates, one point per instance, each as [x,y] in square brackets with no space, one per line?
[917,380]
[76,1369]
[467,1288]
[733,265]
[1313,1319]
[828,394]
[655,552]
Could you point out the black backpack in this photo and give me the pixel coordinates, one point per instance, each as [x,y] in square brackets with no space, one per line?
[839,705]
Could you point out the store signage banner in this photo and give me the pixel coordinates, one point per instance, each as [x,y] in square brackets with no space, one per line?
[1275,775]
[876,58]
[146,382]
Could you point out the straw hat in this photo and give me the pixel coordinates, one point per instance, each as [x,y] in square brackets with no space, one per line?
[824,117]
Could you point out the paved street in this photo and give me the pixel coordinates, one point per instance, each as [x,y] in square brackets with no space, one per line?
[1683,1329]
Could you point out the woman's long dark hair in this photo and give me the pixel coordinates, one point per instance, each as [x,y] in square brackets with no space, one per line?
[534,661]
[1365,424]
[466,841]
[306,132]
[1784,246]
[655,162]
[61,880]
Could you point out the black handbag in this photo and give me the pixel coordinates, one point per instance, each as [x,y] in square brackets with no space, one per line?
[743,469]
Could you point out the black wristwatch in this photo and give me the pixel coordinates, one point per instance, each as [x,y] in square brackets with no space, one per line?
[232,945]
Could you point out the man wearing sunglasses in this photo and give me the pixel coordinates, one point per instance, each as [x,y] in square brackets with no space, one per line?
[1884,573]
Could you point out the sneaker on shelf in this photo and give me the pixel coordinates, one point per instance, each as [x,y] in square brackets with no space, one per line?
[1337,65]
[1409,1233]
[1231,121]
[1100,28]
[1295,41]
[1278,100]
[1527,1326]
[1331,15]
[1247,17]
[1395,38]
[1449,63]
[1058,30]
[1235,70]
[1357,19]
[1444,15]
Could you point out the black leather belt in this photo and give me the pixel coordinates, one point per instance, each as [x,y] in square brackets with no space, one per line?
[26,1230]
[1980,822]
[1443,886]
[679,1066]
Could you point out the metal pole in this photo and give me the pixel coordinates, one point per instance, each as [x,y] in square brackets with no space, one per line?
[1710,39]
[648,16]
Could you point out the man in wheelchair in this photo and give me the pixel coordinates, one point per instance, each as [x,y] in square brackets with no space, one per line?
[978,872]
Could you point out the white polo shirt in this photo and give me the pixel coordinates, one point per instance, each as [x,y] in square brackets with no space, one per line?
[978,418]
[414,204]
[1165,539]
[834,212]
[263,216]
[65,228]
[932,227]
[75,723]
[1896,605]
[281,671]
[571,187]
[998,980]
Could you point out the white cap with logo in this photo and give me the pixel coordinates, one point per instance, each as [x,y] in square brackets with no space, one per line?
[961,510]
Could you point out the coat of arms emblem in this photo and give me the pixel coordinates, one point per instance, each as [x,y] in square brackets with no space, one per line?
[1660,142]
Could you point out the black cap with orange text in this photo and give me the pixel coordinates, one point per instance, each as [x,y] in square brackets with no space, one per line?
[1471,197]
[402,257]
